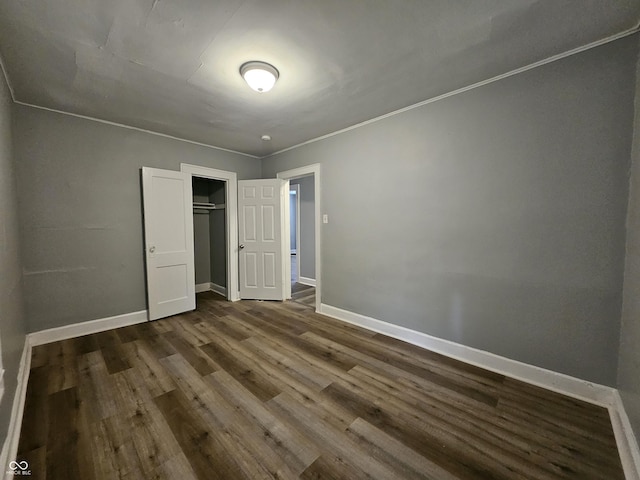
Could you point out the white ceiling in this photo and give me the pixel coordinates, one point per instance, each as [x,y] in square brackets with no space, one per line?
[172,66]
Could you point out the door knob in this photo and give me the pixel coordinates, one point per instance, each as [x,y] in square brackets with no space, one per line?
[241,246]
[152,249]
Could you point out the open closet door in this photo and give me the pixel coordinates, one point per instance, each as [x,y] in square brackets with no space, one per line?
[262,238]
[168,231]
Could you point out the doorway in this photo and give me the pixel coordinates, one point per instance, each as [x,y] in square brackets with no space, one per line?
[209,235]
[304,266]
[227,195]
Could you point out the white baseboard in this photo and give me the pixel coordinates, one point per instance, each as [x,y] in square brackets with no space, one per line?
[85,328]
[307,281]
[220,290]
[625,438]
[10,447]
[558,382]
[211,287]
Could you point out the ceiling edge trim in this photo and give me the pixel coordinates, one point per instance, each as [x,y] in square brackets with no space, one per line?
[482,83]
[129,127]
[6,79]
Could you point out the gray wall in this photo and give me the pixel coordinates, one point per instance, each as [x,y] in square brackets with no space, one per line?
[12,319]
[293,219]
[494,218]
[80,210]
[629,360]
[202,248]
[307,250]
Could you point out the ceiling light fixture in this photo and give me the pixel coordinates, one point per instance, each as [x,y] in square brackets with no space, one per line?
[259,76]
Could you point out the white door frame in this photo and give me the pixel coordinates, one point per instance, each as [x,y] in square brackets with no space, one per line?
[231,192]
[313,169]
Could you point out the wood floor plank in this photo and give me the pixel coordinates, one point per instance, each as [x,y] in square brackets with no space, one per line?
[333,467]
[158,345]
[333,443]
[389,450]
[148,369]
[62,376]
[304,371]
[177,467]
[296,449]
[40,355]
[251,379]
[63,448]
[35,421]
[151,436]
[203,449]
[36,460]
[96,386]
[85,344]
[112,450]
[115,358]
[163,325]
[196,357]
[186,329]
[265,390]
[198,393]
[229,325]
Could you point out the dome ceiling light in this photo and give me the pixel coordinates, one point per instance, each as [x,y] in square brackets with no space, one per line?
[259,76]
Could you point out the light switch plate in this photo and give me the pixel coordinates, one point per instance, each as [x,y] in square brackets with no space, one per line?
[325,218]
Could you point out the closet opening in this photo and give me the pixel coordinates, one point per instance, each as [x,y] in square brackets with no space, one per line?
[210,235]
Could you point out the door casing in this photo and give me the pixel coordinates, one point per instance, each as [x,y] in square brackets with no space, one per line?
[313,169]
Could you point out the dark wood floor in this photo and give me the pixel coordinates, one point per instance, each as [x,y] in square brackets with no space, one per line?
[261,390]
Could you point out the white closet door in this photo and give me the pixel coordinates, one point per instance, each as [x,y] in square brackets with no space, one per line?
[168,226]
[261,237]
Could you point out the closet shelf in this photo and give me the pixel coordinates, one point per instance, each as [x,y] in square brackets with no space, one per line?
[208,206]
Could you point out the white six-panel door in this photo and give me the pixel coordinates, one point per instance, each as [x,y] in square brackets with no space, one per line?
[168,223]
[260,234]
